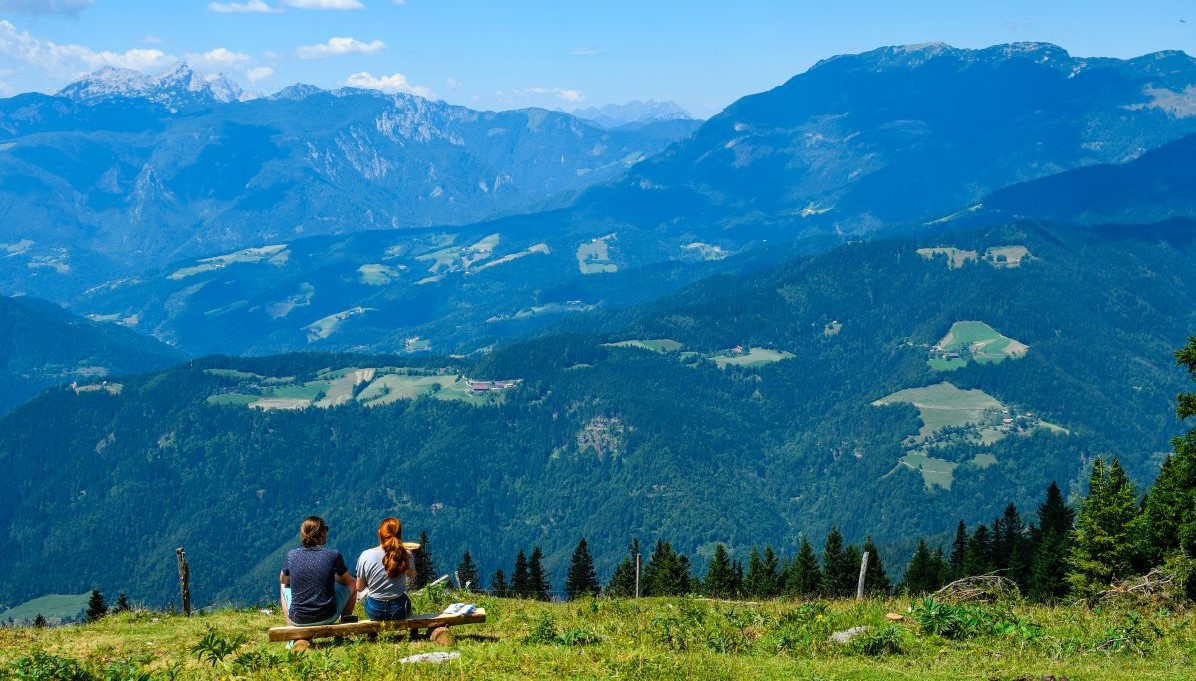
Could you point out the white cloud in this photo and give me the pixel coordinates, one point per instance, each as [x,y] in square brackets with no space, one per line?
[72,60]
[152,40]
[220,58]
[45,6]
[567,95]
[585,51]
[339,46]
[258,73]
[251,7]
[396,82]
[398,2]
[540,92]
[453,83]
[323,4]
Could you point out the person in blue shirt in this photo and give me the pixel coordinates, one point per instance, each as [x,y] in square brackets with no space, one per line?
[315,584]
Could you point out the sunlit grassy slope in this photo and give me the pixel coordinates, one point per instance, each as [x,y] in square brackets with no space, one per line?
[633,639]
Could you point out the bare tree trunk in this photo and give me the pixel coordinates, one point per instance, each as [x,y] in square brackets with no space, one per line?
[859,589]
[184,580]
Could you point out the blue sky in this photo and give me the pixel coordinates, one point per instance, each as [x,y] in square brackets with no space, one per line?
[557,54]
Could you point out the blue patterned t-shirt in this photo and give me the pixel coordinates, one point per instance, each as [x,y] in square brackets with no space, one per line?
[313,571]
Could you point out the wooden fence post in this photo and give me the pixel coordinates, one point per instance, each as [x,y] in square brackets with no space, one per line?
[184,580]
[859,589]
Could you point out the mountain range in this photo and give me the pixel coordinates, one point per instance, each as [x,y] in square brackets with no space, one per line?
[119,172]
[905,287]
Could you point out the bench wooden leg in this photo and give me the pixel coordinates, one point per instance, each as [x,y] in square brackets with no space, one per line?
[442,636]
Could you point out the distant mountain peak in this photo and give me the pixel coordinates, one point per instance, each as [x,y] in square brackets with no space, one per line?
[915,55]
[635,111]
[178,86]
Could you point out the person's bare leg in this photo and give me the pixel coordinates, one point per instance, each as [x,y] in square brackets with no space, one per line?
[351,603]
[282,603]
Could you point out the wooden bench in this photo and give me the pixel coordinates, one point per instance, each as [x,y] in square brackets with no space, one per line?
[430,621]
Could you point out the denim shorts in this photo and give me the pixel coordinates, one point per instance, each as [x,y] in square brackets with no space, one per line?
[395,609]
[341,593]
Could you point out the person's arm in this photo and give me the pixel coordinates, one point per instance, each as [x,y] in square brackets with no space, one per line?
[410,564]
[343,577]
[284,579]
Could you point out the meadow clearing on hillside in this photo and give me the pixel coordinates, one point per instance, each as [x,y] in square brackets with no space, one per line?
[976,341]
[651,638]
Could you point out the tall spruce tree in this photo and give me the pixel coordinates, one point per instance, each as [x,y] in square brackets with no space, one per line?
[1169,511]
[521,584]
[837,568]
[753,581]
[1103,541]
[667,572]
[96,607]
[923,574]
[959,552]
[1051,546]
[876,580]
[805,577]
[978,556]
[467,572]
[498,584]
[425,569]
[582,580]
[622,581]
[719,581]
[122,603]
[537,580]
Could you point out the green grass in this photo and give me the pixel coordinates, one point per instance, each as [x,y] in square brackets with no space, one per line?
[654,345]
[942,404]
[934,471]
[984,343]
[235,400]
[754,357]
[593,257]
[54,607]
[375,274]
[677,638]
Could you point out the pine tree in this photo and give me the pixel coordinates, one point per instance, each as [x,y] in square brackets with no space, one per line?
[959,553]
[498,584]
[537,581]
[836,567]
[876,580]
[467,573]
[122,603]
[719,581]
[805,577]
[667,572]
[1169,511]
[39,622]
[944,566]
[978,556]
[752,582]
[521,584]
[425,569]
[1051,546]
[96,607]
[622,581]
[922,575]
[1103,547]
[582,580]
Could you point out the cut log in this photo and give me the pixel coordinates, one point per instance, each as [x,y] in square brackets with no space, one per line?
[428,621]
[442,636]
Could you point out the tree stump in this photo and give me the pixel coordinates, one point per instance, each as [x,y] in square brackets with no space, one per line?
[442,636]
[301,646]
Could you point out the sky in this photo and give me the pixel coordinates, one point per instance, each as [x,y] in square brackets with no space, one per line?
[558,54]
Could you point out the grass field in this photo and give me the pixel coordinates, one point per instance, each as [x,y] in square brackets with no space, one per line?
[593,256]
[983,342]
[1007,256]
[650,639]
[955,257]
[55,608]
[942,404]
[934,471]
[375,274]
[248,255]
[653,345]
[754,357]
[531,250]
[329,325]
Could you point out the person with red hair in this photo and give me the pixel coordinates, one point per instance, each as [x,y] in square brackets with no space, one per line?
[383,572]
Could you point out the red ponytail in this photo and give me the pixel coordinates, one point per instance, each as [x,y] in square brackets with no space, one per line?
[394,556]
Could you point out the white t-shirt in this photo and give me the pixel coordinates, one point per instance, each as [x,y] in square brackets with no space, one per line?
[371,569]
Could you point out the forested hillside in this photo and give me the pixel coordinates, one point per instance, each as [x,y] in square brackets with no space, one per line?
[42,345]
[743,410]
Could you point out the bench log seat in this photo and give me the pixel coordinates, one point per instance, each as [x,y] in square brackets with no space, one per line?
[429,621]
